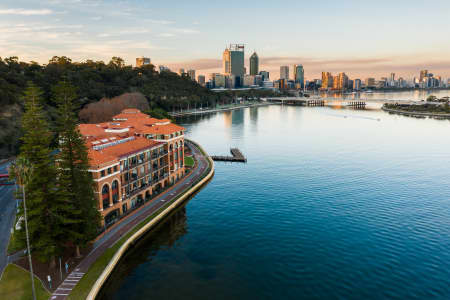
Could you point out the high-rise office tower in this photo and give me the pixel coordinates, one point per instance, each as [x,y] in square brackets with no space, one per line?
[327,80]
[191,74]
[201,80]
[142,61]
[181,71]
[284,72]
[299,75]
[392,77]
[357,84]
[423,74]
[342,81]
[254,64]
[233,61]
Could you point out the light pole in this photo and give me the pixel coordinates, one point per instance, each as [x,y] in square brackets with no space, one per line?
[21,170]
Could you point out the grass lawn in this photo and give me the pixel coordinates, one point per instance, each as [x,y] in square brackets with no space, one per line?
[189,161]
[16,285]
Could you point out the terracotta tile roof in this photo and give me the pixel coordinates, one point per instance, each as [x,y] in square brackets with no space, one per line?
[161,129]
[113,154]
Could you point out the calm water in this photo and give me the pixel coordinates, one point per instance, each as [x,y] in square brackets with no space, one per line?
[333,203]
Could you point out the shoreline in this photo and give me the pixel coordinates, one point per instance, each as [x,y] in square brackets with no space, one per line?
[101,261]
[207,111]
[416,114]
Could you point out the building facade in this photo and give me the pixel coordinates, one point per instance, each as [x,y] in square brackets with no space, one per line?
[142,61]
[191,74]
[299,75]
[233,61]
[327,80]
[254,64]
[132,158]
[201,80]
[284,72]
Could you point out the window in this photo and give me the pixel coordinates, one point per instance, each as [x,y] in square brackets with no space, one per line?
[134,174]
[141,171]
[102,173]
[125,164]
[126,177]
[109,171]
[124,208]
[115,169]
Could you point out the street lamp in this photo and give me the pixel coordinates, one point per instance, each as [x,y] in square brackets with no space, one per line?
[21,170]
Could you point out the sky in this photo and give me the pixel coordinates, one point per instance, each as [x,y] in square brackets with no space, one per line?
[361,38]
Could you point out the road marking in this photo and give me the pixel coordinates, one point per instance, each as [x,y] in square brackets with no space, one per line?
[71,280]
[64,289]
[61,294]
[68,283]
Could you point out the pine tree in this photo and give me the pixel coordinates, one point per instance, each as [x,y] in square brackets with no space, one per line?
[75,182]
[46,214]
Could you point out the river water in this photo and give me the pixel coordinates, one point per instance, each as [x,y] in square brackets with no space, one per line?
[333,203]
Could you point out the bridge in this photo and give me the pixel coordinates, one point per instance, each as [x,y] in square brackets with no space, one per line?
[318,101]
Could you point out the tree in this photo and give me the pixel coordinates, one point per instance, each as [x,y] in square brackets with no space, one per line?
[20,171]
[46,213]
[75,183]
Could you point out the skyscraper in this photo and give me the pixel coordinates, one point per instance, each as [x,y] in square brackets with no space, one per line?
[201,80]
[327,80]
[142,61]
[191,74]
[233,62]
[423,74]
[284,72]
[254,64]
[357,84]
[299,75]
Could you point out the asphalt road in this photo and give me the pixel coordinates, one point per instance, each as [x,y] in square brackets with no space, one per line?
[7,215]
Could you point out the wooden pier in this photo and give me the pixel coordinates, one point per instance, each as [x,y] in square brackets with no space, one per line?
[237,156]
[357,104]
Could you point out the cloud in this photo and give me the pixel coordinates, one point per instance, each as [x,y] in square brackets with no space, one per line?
[98,18]
[25,12]
[186,30]
[161,22]
[166,35]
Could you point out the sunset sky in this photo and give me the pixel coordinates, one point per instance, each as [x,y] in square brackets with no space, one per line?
[360,38]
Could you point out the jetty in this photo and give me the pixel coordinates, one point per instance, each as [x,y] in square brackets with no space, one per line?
[237,156]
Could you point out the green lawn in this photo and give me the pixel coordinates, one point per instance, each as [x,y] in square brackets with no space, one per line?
[16,285]
[189,161]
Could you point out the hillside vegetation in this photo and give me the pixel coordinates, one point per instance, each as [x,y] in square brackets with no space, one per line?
[94,80]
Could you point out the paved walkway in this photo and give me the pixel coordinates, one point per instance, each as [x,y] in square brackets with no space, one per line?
[111,237]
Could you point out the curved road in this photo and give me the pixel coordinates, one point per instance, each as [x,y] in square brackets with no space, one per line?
[7,214]
[109,239]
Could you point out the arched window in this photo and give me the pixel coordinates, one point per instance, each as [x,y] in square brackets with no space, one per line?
[105,196]
[115,191]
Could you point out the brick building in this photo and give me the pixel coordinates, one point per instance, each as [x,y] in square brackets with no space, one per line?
[132,158]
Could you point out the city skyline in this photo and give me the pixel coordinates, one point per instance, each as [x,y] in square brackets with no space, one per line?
[193,35]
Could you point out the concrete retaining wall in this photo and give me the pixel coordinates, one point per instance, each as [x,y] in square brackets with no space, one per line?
[116,258]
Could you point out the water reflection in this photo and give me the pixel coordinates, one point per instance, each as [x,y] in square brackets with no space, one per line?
[164,236]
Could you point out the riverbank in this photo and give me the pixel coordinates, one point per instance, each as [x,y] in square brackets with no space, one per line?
[417,114]
[94,269]
[214,110]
